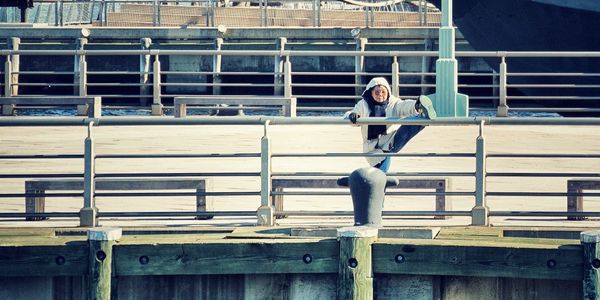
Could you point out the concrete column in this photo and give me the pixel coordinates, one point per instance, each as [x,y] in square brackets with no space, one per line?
[395,77]
[426,64]
[355,272]
[157,107]
[287,77]
[101,241]
[502,106]
[145,44]
[590,240]
[359,65]
[217,67]
[80,70]
[87,214]
[479,213]
[14,67]
[264,213]
[278,68]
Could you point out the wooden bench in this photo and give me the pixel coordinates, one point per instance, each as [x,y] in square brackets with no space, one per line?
[288,104]
[440,185]
[36,204]
[575,203]
[90,106]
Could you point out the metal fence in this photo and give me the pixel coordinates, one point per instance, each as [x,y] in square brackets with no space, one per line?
[212,13]
[144,78]
[480,158]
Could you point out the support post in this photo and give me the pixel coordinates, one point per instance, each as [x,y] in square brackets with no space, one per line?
[80,69]
[101,241]
[355,272]
[446,100]
[278,88]
[426,63]
[287,77]
[144,71]
[87,214]
[7,78]
[479,213]
[216,78]
[13,88]
[395,77]
[264,213]
[157,107]
[359,65]
[502,106]
[590,240]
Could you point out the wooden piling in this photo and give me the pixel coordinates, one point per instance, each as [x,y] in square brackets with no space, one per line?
[590,241]
[355,273]
[101,241]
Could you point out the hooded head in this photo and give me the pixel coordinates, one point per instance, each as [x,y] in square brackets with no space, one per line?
[375,82]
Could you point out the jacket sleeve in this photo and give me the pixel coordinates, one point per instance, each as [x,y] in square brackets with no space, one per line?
[360,108]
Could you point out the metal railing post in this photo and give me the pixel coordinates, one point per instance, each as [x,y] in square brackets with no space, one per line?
[104,13]
[7,77]
[502,106]
[80,70]
[13,88]
[87,214]
[264,214]
[154,13]
[56,22]
[62,12]
[287,77]
[359,65]
[479,213]
[157,107]
[217,58]
[144,70]
[278,69]
[395,77]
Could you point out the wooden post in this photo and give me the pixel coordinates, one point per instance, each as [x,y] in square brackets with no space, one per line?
[591,262]
[355,272]
[101,241]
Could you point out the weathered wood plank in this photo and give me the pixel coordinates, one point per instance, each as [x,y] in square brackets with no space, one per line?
[252,257]
[564,262]
[355,273]
[590,241]
[66,260]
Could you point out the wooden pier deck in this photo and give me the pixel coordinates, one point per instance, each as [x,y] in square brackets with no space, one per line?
[301,139]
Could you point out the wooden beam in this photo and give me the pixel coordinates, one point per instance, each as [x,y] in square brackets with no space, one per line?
[591,262]
[531,261]
[55,260]
[228,257]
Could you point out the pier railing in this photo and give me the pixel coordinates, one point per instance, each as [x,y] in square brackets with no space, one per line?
[531,90]
[479,175]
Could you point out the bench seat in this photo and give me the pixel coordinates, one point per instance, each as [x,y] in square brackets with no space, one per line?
[90,106]
[288,104]
[440,185]
[575,203]
[36,204]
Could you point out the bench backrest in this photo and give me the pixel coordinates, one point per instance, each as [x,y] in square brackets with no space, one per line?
[412,183]
[116,184]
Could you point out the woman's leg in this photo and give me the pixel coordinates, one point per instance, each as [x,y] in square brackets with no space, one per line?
[404,134]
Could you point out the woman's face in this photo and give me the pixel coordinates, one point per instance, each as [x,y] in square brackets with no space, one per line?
[379,93]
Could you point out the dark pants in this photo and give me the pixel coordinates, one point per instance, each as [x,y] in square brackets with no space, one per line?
[403,135]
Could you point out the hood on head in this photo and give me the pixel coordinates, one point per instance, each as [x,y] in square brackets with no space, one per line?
[375,82]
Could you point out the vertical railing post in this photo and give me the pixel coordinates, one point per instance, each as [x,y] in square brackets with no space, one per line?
[80,69]
[395,77]
[479,213]
[104,13]
[359,65]
[217,58]
[144,70]
[87,214]
[14,44]
[264,213]
[158,16]
[278,69]
[56,22]
[157,107]
[8,77]
[101,242]
[154,13]
[62,13]
[502,105]
[287,77]
[590,240]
